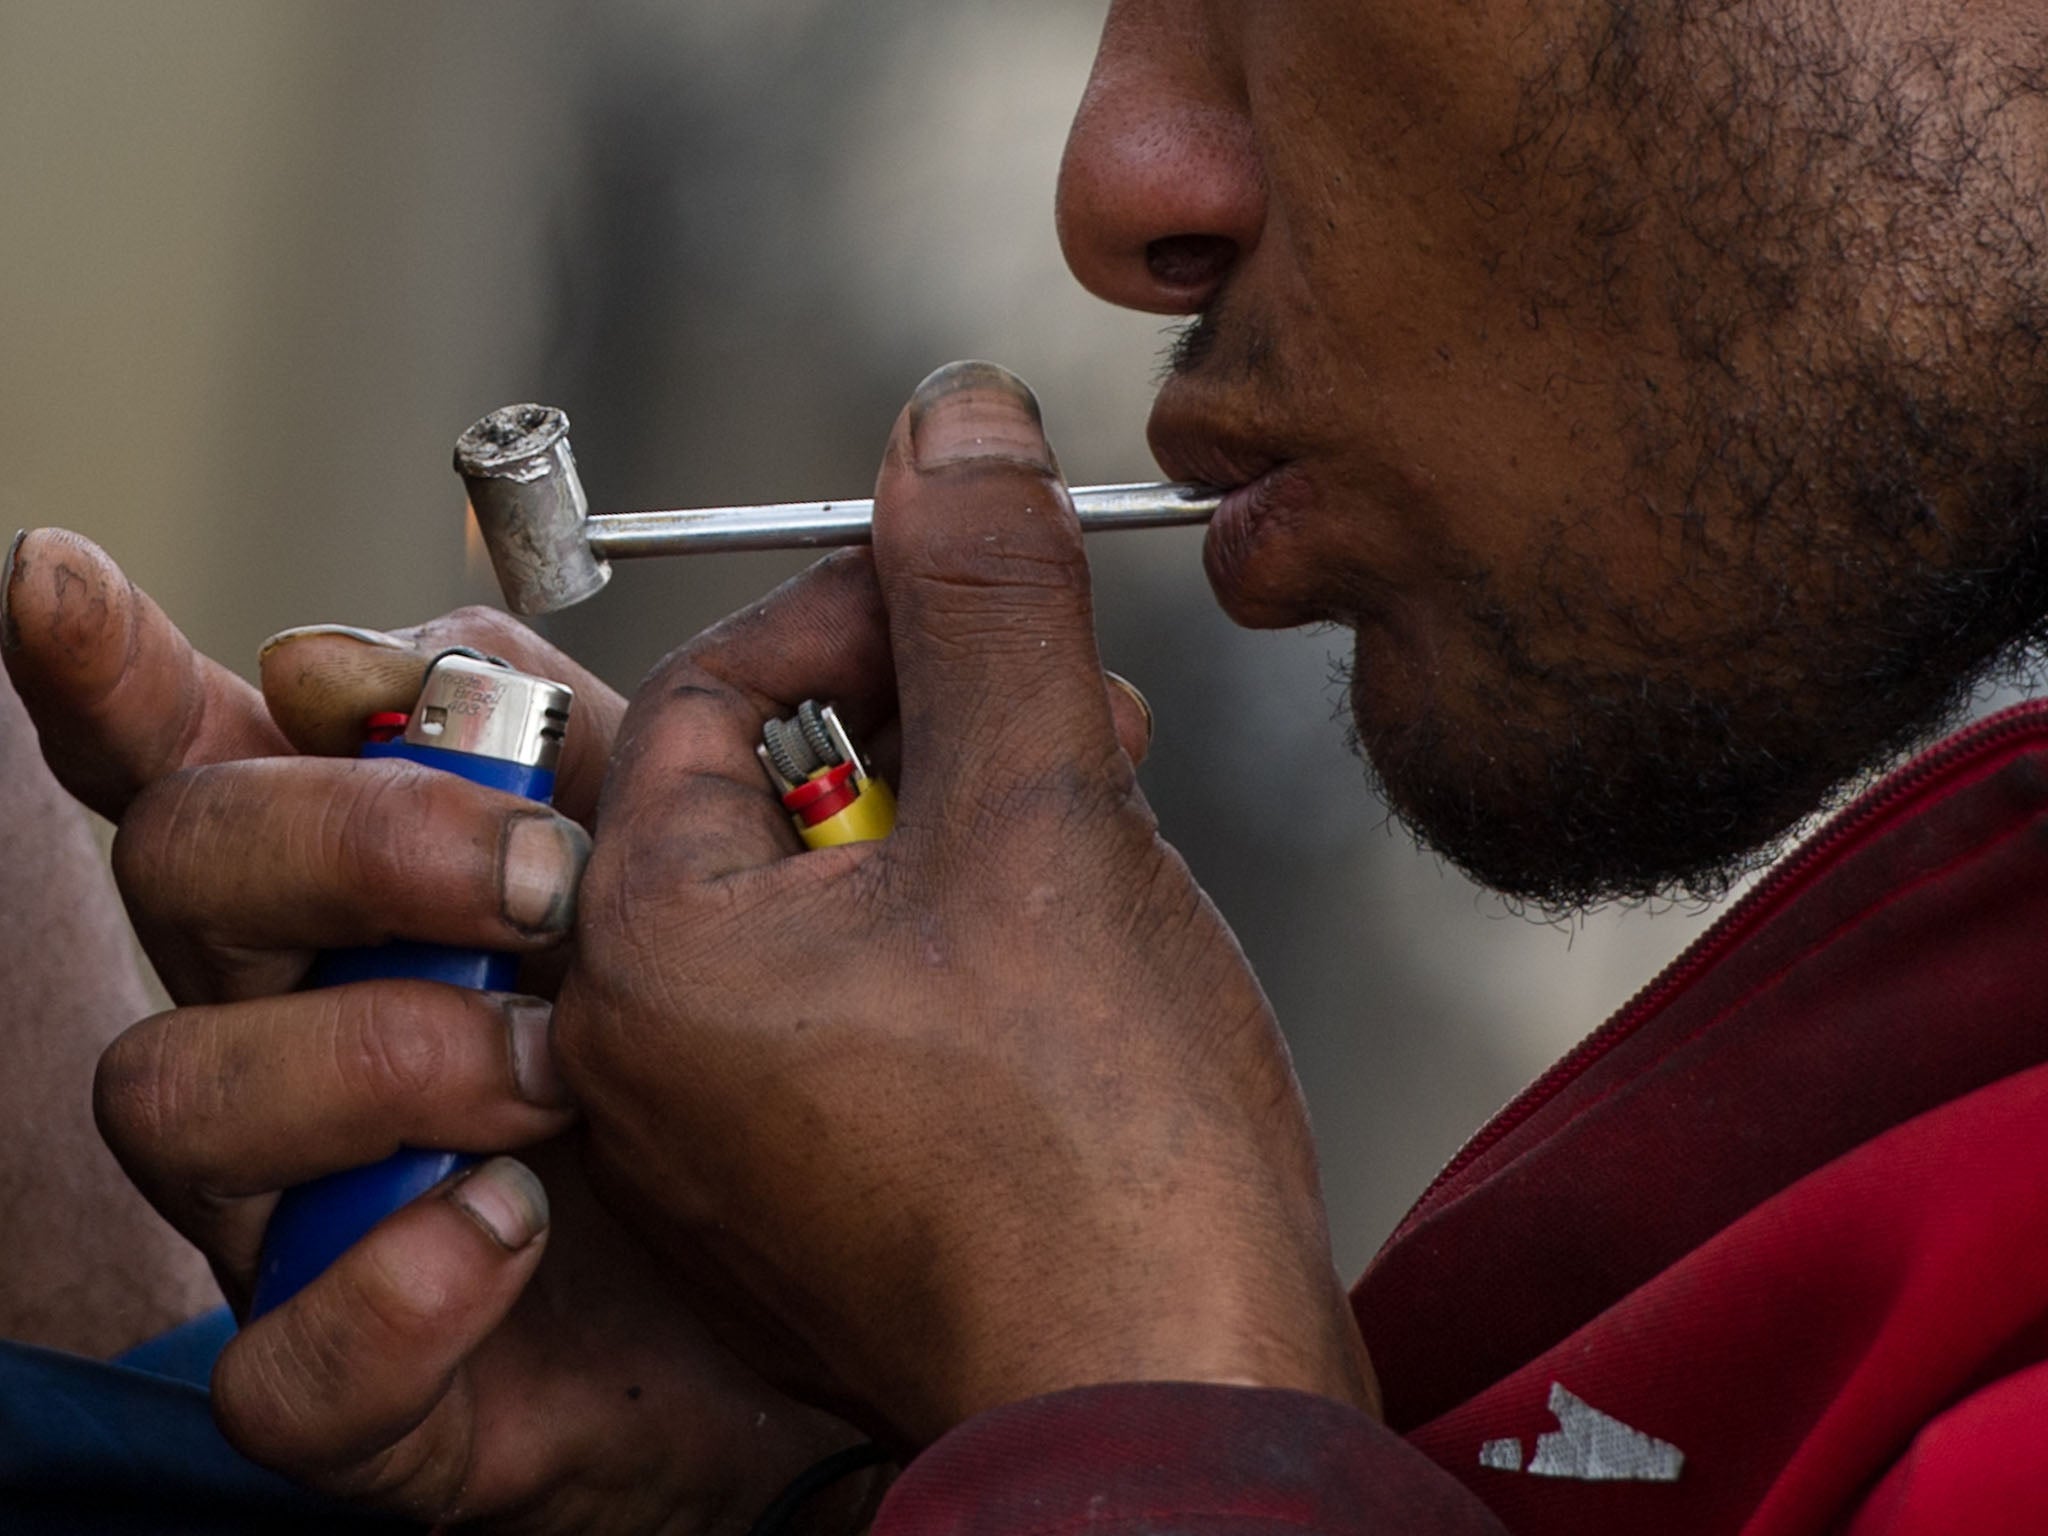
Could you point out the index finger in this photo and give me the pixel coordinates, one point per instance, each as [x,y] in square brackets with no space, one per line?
[118,695]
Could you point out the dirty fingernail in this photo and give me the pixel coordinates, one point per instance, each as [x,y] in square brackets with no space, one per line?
[10,638]
[506,1200]
[528,1022]
[374,637]
[81,610]
[976,411]
[543,860]
[1130,690]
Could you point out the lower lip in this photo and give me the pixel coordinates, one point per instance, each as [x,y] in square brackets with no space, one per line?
[1243,528]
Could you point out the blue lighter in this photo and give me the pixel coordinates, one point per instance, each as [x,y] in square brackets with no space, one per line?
[503,729]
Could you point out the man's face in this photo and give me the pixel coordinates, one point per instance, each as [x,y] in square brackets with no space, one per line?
[1656,389]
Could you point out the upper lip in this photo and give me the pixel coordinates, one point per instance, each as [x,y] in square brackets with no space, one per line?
[1207,446]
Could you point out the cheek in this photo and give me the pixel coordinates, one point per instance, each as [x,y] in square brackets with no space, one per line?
[1449,462]
[1426,314]
[1444,335]
[1376,122]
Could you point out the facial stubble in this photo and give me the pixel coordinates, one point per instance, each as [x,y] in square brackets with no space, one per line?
[1848,488]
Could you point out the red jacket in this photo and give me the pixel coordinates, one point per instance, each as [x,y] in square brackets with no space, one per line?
[1766,1254]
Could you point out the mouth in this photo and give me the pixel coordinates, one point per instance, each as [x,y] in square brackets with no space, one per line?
[1252,554]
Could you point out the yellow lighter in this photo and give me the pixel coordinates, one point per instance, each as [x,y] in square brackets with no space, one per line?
[826,788]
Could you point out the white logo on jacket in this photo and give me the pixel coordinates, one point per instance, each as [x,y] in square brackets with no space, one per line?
[1589,1447]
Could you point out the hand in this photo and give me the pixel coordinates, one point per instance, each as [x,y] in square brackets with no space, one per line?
[502,1352]
[236,859]
[991,1108]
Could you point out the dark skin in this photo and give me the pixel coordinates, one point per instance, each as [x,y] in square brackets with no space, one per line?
[1599,453]
[1653,389]
[541,1376]
[1119,1124]
[480,1357]
[92,1268]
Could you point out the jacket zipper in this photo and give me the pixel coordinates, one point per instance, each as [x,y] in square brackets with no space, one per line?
[1993,733]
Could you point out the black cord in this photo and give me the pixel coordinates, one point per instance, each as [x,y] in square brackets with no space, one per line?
[776,1518]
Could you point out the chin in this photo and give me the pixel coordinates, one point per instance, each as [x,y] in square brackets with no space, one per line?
[1395,684]
[1566,804]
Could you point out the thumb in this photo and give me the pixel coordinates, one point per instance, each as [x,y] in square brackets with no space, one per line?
[355,1384]
[323,681]
[991,618]
[118,695]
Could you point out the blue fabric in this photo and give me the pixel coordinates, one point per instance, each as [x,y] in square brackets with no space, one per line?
[129,1446]
[186,1352]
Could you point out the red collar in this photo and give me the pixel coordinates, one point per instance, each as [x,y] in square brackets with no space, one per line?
[1890,964]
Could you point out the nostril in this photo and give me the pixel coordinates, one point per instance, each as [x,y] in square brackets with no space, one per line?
[1191,263]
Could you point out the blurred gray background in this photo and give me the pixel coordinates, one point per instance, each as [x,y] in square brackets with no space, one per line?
[263,259]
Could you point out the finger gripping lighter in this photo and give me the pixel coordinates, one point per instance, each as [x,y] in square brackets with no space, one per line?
[478,718]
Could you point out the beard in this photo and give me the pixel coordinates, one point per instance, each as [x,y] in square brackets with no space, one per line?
[1851,480]
[1673,775]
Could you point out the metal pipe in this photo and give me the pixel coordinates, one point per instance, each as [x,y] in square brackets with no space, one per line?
[828,524]
[549,552]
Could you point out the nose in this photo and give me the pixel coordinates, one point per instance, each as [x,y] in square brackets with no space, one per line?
[1161,193]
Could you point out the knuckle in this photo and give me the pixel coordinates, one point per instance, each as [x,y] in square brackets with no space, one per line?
[488,629]
[279,1389]
[157,841]
[600,1011]
[281,1397]
[155,1085]
[265,1388]
[683,675]
[622,923]
[366,827]
[393,1302]
[127,1091]
[1041,557]
[401,827]
[387,1046]
[284,1389]
[636,773]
